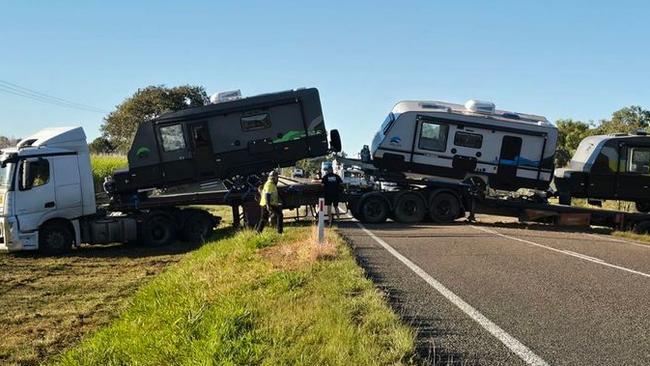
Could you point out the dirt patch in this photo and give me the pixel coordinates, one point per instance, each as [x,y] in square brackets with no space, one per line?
[306,251]
[49,303]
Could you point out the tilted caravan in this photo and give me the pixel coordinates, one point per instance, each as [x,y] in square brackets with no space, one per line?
[223,140]
[608,167]
[506,150]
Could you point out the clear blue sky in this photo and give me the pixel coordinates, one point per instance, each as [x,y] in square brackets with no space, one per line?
[582,59]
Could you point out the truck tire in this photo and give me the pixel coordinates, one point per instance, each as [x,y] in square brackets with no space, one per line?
[444,208]
[642,206]
[198,226]
[158,230]
[409,208]
[373,209]
[55,238]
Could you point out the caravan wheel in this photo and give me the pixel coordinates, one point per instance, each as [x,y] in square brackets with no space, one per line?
[444,208]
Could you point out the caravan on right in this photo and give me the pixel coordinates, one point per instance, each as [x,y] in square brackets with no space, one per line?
[608,167]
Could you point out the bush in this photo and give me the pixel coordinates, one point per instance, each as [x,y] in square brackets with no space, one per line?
[104,166]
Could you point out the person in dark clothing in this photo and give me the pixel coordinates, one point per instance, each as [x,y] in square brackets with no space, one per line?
[332,184]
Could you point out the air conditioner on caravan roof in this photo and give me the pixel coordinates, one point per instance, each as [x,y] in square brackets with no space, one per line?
[479,106]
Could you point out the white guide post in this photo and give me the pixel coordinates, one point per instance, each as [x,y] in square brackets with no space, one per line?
[321,220]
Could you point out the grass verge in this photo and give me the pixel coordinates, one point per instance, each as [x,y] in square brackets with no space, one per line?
[255,299]
[641,238]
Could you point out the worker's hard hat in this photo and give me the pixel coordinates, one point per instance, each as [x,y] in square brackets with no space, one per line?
[274,173]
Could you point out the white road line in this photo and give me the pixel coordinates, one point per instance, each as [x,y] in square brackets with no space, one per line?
[584,256]
[565,252]
[509,341]
[607,238]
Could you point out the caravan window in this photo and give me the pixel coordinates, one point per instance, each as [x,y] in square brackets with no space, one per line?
[254,122]
[473,140]
[172,138]
[388,122]
[639,161]
[433,136]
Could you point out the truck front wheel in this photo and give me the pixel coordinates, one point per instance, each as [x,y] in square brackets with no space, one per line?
[158,230]
[55,238]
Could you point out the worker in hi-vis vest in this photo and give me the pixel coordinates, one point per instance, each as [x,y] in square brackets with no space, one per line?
[270,203]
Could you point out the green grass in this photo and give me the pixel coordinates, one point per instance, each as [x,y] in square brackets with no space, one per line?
[255,299]
[645,238]
[105,165]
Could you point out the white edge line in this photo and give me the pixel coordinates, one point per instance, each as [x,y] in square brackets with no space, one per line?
[509,341]
[565,252]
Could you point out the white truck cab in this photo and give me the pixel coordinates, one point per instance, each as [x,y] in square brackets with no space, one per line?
[47,201]
[45,187]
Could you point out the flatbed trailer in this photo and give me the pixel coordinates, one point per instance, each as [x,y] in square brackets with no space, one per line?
[442,201]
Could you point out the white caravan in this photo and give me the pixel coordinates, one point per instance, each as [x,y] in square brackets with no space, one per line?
[472,143]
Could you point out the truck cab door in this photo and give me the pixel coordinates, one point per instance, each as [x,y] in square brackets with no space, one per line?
[35,193]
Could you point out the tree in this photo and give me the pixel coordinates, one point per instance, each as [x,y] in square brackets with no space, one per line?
[570,133]
[8,142]
[120,125]
[626,120]
[101,145]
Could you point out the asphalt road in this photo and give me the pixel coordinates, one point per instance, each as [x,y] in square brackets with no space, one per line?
[507,295]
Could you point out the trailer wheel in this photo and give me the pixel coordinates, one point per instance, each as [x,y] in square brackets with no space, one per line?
[197,227]
[373,209]
[55,238]
[642,206]
[642,228]
[444,208]
[158,230]
[409,208]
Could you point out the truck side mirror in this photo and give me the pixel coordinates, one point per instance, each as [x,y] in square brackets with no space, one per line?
[335,141]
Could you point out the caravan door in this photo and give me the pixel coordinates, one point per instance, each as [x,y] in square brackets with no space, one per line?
[509,159]
[202,152]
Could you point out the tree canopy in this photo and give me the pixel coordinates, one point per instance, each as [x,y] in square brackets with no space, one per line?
[101,145]
[571,132]
[8,141]
[120,125]
[626,120]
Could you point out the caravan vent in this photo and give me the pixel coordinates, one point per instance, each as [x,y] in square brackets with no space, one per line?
[510,115]
[478,106]
[434,106]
